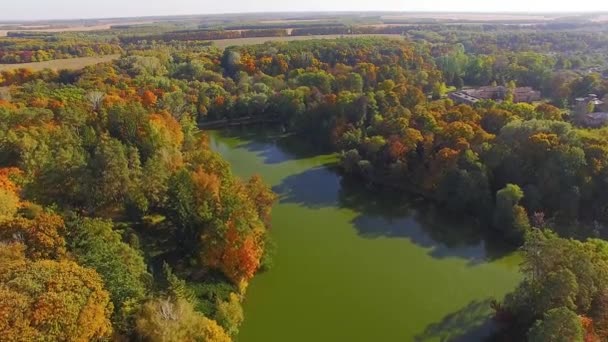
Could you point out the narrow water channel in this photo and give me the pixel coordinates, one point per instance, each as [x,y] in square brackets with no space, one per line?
[351,264]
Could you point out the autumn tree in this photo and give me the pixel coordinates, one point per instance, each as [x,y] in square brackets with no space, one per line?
[9,203]
[148,99]
[42,235]
[262,196]
[230,314]
[50,300]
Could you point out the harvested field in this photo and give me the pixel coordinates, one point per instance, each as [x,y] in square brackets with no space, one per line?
[58,64]
[79,28]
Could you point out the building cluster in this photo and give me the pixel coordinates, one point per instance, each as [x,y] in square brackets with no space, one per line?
[589,101]
[591,111]
[497,93]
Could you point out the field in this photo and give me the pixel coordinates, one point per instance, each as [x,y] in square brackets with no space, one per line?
[58,64]
[70,28]
[224,43]
[472,16]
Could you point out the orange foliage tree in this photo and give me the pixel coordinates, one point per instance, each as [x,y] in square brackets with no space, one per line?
[43,235]
[148,99]
[262,196]
[237,255]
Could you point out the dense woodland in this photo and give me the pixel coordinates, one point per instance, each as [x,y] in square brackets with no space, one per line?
[117,220]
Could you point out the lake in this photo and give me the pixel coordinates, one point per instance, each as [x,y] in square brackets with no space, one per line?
[353,264]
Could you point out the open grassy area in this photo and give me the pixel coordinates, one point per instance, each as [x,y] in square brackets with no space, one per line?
[224,43]
[58,64]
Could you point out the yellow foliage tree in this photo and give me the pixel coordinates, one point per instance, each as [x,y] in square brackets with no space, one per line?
[168,129]
[9,203]
[230,314]
[47,300]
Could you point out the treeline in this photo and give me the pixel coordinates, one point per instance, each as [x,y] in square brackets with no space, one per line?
[194,35]
[117,221]
[39,49]
[286,25]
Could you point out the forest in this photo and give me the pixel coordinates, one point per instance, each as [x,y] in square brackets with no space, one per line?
[118,221]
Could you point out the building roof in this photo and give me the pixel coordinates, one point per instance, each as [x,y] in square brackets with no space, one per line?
[464,96]
[598,116]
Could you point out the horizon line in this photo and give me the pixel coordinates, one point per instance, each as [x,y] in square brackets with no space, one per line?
[160,16]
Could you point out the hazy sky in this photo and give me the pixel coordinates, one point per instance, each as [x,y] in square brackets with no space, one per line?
[54,9]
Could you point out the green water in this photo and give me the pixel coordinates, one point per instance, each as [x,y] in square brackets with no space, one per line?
[355,265]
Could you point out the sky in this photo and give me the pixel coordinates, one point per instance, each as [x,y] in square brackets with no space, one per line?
[80,9]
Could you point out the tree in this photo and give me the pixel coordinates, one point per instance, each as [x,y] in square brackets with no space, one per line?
[174,320]
[181,208]
[176,103]
[50,300]
[95,99]
[9,203]
[558,325]
[43,235]
[495,119]
[549,112]
[262,196]
[559,289]
[236,254]
[111,172]
[148,99]
[599,314]
[96,245]
[230,314]
[510,217]
[321,80]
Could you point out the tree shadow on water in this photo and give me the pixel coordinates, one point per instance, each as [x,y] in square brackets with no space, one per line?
[384,212]
[471,323]
[314,188]
[274,146]
[389,213]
